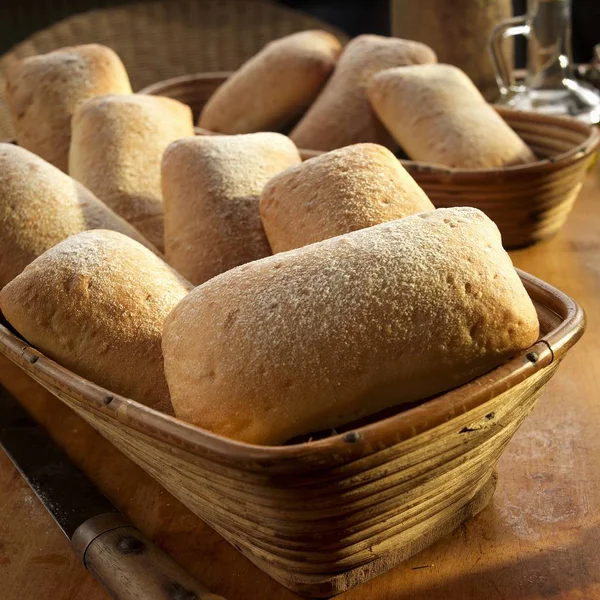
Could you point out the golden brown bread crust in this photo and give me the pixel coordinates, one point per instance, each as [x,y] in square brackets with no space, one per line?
[437,115]
[341,115]
[275,86]
[44,91]
[41,206]
[338,192]
[96,304]
[211,186]
[116,151]
[320,336]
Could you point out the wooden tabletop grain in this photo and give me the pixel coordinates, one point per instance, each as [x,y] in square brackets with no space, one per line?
[539,537]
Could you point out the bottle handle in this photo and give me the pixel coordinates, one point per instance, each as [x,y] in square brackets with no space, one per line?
[506,29]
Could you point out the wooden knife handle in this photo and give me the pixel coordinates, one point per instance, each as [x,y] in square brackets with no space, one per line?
[131,567]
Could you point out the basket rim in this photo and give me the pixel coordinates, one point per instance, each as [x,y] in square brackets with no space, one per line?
[336,449]
[218,76]
[449,174]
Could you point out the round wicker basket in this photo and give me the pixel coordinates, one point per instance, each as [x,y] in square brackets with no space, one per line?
[158,40]
[528,203]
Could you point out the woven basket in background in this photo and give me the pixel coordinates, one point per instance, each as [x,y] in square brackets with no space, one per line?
[529,202]
[159,40]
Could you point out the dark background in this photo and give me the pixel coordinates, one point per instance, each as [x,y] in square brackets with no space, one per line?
[21,18]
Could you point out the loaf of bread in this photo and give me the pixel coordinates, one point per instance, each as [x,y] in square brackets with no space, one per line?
[326,334]
[275,86]
[338,192]
[96,304]
[44,91]
[211,186]
[116,151]
[437,115]
[41,206]
[341,115]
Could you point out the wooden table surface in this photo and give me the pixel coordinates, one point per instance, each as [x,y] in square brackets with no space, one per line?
[538,538]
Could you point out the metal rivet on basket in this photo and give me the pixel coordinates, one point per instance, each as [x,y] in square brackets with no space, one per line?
[532,357]
[31,358]
[352,437]
[107,399]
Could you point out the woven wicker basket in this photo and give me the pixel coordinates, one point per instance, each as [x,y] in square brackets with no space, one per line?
[528,203]
[324,516]
[158,40]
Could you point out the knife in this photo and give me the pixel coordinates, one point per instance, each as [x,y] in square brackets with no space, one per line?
[128,565]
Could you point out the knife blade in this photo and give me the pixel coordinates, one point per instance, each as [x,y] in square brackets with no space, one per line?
[128,565]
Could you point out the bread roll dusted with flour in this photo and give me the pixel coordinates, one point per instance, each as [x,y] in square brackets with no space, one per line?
[343,190]
[437,115]
[211,186]
[329,333]
[44,91]
[275,86]
[40,206]
[341,115]
[96,304]
[116,151]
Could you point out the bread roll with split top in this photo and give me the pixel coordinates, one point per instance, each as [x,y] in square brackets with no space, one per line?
[437,115]
[44,91]
[341,115]
[116,151]
[320,336]
[40,206]
[96,304]
[211,186]
[275,86]
[341,191]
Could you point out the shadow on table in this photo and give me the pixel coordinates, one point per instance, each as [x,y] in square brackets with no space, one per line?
[546,574]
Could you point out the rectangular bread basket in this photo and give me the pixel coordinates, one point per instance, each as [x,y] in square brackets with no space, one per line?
[529,203]
[323,516]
